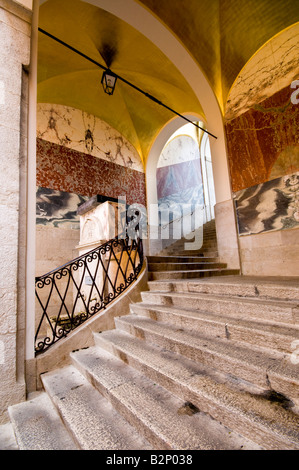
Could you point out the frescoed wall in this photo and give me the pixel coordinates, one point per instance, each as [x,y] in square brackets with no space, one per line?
[179,178]
[58,208]
[65,169]
[75,129]
[78,156]
[273,205]
[263,142]
[263,154]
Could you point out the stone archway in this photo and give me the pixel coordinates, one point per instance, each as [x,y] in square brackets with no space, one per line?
[142,20]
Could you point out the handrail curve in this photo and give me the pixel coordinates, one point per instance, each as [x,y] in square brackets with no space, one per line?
[69,295]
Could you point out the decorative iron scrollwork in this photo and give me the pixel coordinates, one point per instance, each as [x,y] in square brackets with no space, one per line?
[65,298]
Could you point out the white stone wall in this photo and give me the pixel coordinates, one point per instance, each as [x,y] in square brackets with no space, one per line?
[15,31]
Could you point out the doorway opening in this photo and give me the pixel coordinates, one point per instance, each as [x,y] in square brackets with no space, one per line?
[185,185]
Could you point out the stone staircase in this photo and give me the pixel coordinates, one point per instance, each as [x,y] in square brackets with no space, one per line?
[186,267]
[198,364]
[201,363]
[208,248]
[175,262]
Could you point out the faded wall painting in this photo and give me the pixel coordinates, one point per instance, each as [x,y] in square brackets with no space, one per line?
[58,208]
[77,130]
[179,178]
[273,205]
[270,69]
[263,142]
[75,172]
[79,154]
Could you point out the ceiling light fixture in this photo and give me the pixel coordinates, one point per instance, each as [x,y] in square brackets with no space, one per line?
[109,80]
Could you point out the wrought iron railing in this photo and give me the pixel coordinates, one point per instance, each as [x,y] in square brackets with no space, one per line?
[68,296]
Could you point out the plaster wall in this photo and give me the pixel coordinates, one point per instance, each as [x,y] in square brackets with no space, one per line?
[15,31]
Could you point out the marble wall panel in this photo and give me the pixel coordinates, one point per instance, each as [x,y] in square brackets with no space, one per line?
[270,69]
[263,142]
[180,148]
[273,205]
[77,130]
[179,178]
[173,179]
[58,208]
[182,203]
[179,188]
[64,169]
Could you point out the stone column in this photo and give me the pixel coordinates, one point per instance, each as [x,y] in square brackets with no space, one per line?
[15,32]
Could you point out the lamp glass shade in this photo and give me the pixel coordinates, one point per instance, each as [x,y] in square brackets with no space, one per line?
[108,82]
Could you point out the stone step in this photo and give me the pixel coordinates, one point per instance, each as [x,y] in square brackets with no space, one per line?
[182,252]
[206,236]
[37,426]
[193,274]
[266,310]
[258,367]
[164,419]
[89,417]
[275,337]
[190,266]
[256,415]
[205,247]
[242,286]
[181,259]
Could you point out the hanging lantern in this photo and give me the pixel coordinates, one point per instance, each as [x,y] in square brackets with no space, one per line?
[108,82]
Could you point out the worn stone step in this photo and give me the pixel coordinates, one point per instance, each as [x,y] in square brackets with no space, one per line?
[165,420]
[258,367]
[242,286]
[193,274]
[257,415]
[190,266]
[263,309]
[209,254]
[190,250]
[182,251]
[37,426]
[272,336]
[89,417]
[206,238]
[180,259]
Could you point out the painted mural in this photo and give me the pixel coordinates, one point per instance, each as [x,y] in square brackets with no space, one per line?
[271,69]
[68,170]
[82,132]
[58,208]
[79,156]
[263,142]
[273,205]
[179,178]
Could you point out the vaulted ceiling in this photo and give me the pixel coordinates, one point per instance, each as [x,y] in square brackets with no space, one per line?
[220,35]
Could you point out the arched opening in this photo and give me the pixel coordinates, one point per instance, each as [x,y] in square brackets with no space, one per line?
[155,31]
[185,184]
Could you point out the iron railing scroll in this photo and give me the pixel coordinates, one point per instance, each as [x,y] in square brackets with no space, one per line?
[68,296]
